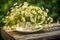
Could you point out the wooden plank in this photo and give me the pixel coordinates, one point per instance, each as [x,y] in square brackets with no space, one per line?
[6,36]
[17,36]
[35,36]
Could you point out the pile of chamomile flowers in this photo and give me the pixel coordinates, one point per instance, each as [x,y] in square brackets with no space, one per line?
[25,15]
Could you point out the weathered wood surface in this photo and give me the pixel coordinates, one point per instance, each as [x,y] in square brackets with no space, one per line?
[35,36]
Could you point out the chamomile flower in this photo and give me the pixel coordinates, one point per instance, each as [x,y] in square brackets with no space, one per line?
[15,4]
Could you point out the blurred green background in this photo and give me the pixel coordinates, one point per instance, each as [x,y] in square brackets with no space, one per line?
[52,5]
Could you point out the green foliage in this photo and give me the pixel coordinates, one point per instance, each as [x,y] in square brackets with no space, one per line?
[52,5]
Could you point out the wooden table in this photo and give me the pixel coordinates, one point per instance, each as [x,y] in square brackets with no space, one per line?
[10,35]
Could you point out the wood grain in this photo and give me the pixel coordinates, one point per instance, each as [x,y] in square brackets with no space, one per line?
[11,35]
